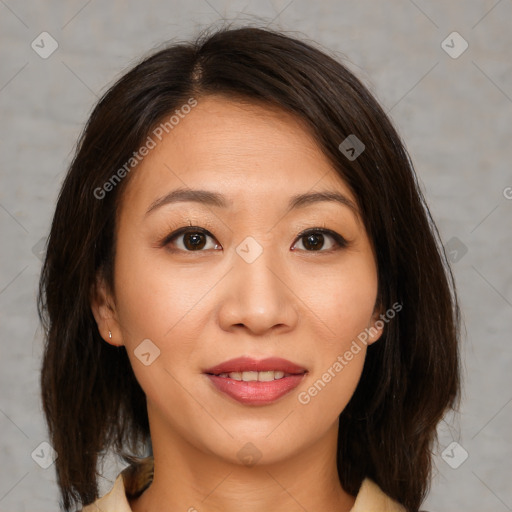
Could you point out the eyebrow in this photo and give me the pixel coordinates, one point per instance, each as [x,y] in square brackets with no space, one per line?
[211,198]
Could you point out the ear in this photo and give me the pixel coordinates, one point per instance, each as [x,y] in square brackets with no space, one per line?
[103,309]
[376,324]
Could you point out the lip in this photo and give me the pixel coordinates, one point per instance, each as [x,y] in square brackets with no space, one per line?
[256,392]
[248,364]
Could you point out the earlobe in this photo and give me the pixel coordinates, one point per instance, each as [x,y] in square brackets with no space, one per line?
[104,313]
[376,327]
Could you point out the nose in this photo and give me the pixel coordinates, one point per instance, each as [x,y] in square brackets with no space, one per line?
[258,295]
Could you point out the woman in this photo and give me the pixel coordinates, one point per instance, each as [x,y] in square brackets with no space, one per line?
[243,275]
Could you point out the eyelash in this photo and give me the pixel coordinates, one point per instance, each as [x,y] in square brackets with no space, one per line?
[339,241]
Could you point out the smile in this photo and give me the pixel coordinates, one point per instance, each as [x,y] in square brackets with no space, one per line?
[250,381]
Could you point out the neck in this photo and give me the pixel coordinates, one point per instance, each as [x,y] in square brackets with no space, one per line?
[186,478]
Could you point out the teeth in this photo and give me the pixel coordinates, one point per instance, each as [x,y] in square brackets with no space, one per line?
[254,376]
[268,376]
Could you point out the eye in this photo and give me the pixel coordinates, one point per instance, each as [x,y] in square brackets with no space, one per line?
[195,239]
[191,238]
[314,240]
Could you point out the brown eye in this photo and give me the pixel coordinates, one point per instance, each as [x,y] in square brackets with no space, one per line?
[315,240]
[190,240]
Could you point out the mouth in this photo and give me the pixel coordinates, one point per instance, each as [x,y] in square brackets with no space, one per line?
[253,382]
[250,376]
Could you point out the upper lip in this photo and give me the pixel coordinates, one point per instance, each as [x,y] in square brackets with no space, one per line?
[248,364]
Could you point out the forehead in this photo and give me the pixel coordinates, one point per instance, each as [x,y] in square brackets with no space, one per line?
[252,154]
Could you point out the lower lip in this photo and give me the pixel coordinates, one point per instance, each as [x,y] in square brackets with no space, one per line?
[256,392]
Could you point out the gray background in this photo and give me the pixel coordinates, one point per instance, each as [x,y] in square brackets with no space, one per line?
[453,113]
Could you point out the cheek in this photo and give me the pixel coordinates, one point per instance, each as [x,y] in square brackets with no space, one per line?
[344,299]
[340,354]
[345,306]
[151,301]
[157,305]
[329,390]
[164,307]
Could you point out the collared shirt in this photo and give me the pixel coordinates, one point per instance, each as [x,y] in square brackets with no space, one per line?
[134,480]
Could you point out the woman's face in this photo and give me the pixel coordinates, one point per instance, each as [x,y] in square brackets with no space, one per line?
[243,282]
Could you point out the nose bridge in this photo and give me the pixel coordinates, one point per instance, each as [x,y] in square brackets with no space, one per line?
[258,265]
[258,296]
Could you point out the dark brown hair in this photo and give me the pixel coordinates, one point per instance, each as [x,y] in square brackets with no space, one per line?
[91,398]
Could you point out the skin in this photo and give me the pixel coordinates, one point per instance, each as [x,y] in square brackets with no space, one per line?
[203,307]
